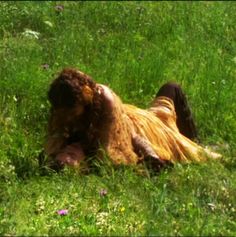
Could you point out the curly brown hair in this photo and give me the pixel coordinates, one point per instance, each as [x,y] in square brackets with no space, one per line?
[76,110]
[69,88]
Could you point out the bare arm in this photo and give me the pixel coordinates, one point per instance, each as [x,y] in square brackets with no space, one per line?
[142,148]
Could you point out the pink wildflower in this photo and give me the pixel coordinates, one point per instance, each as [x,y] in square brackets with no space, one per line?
[62,212]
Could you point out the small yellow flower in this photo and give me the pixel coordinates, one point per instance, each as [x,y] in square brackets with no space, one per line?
[122,209]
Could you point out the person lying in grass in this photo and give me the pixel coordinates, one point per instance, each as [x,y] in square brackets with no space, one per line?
[88,118]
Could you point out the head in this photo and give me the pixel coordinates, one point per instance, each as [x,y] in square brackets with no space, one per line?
[75,102]
[71,89]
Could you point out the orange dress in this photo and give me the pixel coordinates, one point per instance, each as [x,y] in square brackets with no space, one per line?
[157,126]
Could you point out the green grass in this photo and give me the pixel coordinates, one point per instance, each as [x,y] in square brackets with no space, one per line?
[134,47]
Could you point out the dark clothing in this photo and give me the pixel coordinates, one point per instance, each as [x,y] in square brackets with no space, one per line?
[184,121]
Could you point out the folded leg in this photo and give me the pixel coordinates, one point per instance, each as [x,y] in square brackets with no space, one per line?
[184,119]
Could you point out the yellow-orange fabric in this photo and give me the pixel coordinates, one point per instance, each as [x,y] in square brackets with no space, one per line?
[158,126]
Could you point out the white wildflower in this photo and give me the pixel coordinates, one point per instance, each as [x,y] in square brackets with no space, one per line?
[31,34]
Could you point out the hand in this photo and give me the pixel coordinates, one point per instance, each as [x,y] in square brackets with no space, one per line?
[156,163]
[71,155]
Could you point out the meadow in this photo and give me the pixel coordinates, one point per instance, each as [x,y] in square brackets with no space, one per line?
[134,47]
